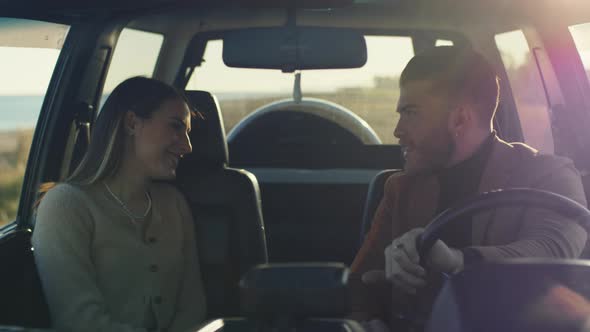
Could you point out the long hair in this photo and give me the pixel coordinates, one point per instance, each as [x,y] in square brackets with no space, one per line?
[140,95]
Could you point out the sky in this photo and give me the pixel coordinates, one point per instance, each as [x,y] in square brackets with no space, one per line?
[26,69]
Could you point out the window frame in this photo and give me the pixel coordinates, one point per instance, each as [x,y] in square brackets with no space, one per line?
[543,74]
[567,67]
[77,80]
[113,53]
[49,98]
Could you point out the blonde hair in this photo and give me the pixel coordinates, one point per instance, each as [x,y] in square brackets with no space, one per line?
[107,166]
[140,95]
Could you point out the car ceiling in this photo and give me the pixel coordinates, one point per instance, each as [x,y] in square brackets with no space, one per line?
[432,9]
[455,15]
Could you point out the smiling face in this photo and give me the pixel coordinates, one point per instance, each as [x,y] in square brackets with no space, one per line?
[423,128]
[162,139]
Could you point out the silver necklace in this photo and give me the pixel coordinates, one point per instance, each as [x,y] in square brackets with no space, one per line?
[126,209]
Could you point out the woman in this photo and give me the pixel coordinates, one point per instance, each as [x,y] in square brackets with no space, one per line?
[116,250]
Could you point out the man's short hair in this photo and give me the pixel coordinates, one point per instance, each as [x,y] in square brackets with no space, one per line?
[462,72]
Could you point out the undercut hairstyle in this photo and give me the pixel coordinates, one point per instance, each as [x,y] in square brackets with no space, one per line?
[460,72]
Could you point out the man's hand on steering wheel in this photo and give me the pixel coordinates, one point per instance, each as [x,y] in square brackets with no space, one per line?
[402,262]
[442,258]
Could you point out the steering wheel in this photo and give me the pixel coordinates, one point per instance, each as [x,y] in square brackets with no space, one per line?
[486,201]
[501,198]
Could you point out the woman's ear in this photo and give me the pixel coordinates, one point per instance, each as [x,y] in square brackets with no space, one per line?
[131,122]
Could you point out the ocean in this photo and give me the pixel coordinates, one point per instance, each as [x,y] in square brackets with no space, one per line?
[19,112]
[22,112]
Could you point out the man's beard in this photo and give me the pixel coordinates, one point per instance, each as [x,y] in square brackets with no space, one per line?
[432,156]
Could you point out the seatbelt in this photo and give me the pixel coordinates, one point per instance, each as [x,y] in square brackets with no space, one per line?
[79,138]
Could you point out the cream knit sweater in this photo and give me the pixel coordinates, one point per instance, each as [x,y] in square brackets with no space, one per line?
[102,272]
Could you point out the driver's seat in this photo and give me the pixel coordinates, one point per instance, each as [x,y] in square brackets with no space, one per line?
[374,196]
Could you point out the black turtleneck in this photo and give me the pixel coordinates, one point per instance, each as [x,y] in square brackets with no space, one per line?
[458,183]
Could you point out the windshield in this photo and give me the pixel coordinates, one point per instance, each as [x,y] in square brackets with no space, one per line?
[370,91]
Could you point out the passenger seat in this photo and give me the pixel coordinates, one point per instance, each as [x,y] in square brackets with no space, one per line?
[225,203]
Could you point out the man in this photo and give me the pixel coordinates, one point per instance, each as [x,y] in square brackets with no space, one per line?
[448,99]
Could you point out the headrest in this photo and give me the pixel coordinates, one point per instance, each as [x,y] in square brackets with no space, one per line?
[208,133]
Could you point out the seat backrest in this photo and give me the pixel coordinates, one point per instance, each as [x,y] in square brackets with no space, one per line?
[374,195]
[225,203]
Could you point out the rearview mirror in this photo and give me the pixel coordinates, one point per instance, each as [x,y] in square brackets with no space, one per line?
[294,48]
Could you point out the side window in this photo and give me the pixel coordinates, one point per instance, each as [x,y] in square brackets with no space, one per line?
[29,52]
[581,35]
[371,92]
[527,89]
[128,61]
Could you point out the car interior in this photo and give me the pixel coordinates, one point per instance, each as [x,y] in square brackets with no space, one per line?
[287,170]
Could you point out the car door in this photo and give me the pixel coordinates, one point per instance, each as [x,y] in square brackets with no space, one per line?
[52,67]
[32,52]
